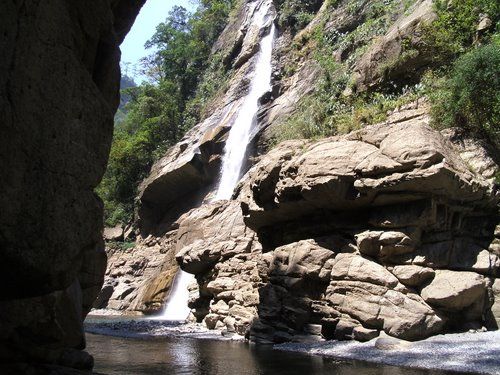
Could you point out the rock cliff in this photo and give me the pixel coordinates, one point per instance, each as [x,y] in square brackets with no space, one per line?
[58,94]
[389,228]
[385,229]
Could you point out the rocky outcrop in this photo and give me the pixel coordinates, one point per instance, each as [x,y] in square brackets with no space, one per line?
[139,276]
[348,237]
[341,238]
[399,55]
[183,180]
[58,94]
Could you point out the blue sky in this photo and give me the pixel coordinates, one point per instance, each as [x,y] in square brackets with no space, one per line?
[152,13]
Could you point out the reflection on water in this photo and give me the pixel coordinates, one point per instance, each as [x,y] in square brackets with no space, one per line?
[125,356]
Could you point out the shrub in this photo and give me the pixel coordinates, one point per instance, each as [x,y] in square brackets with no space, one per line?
[470,97]
[296,14]
[319,116]
[453,31]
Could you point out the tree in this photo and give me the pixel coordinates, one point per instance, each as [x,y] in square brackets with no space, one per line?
[156,112]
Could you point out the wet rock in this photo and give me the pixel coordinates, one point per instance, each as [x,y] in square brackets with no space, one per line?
[145,271]
[211,320]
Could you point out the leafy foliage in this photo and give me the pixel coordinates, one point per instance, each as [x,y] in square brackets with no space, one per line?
[296,14]
[453,32]
[466,95]
[470,96]
[161,111]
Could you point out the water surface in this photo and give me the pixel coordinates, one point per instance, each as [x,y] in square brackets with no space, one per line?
[127,356]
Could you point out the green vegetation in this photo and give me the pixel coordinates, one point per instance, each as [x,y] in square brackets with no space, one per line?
[470,96]
[316,118]
[331,109]
[464,93]
[296,14]
[183,77]
[454,30]
[120,246]
[126,82]
[464,88]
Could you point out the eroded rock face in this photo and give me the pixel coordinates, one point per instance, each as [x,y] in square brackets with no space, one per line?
[138,277]
[210,234]
[381,165]
[58,94]
[399,54]
[350,236]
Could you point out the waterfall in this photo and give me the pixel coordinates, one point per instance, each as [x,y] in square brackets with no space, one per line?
[176,308]
[239,136]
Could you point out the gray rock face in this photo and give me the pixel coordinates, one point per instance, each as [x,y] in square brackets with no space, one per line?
[140,277]
[211,233]
[454,290]
[357,235]
[58,94]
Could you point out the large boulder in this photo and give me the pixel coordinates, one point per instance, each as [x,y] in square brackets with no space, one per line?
[212,233]
[403,315]
[412,275]
[454,290]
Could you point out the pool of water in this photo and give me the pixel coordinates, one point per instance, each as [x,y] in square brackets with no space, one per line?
[174,355]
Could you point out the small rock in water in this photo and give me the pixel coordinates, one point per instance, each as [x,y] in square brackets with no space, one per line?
[390,343]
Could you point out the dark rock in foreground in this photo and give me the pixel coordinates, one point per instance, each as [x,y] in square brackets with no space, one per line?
[59,90]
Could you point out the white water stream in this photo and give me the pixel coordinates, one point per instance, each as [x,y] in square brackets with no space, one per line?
[176,308]
[239,136]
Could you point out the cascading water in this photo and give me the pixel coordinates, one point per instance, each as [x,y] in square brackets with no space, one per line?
[176,308]
[239,136]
